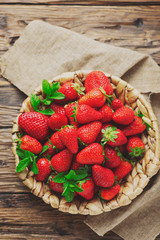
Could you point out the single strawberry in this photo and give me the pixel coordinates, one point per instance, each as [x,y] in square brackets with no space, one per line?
[35,124]
[61,161]
[94,98]
[102,177]
[69,112]
[57,187]
[71,92]
[88,133]
[69,137]
[56,121]
[109,193]
[135,147]
[55,140]
[44,169]
[122,170]
[92,154]
[58,108]
[116,103]
[123,115]
[31,144]
[88,188]
[136,127]
[106,114]
[100,135]
[113,137]
[76,165]
[98,79]
[85,114]
[51,150]
[112,159]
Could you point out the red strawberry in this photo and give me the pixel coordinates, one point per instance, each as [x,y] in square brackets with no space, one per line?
[94,98]
[123,115]
[85,114]
[50,151]
[106,114]
[116,103]
[122,170]
[61,161]
[136,127]
[57,187]
[98,79]
[88,133]
[71,92]
[44,169]
[102,177]
[113,136]
[56,121]
[88,189]
[76,165]
[113,160]
[101,134]
[109,193]
[69,112]
[31,144]
[55,140]
[135,147]
[69,137]
[35,124]
[58,108]
[92,154]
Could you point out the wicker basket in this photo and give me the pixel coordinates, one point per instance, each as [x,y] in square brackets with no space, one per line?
[138,178]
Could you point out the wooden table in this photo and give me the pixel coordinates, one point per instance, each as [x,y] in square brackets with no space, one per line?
[127,23]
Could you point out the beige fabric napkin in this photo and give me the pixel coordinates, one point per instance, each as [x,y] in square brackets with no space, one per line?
[44,51]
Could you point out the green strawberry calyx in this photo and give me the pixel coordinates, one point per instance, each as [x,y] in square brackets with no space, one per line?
[80,90]
[51,92]
[70,181]
[141,115]
[74,112]
[136,152]
[109,134]
[108,97]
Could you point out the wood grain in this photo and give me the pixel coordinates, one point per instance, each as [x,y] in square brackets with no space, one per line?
[40,221]
[82,2]
[136,27]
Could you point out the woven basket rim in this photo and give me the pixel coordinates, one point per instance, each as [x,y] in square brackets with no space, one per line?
[136,180]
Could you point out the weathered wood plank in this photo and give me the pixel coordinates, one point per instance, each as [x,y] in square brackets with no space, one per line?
[132,27]
[24,216]
[9,181]
[88,2]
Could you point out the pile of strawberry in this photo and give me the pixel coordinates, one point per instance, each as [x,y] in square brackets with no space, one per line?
[79,140]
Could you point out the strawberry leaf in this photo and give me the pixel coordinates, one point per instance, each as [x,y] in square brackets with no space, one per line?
[23,164]
[55,86]
[71,175]
[57,95]
[46,101]
[34,167]
[44,149]
[69,195]
[47,111]
[59,178]
[47,87]
[35,101]
[20,153]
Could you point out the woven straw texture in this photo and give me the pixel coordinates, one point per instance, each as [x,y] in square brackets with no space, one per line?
[138,178]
